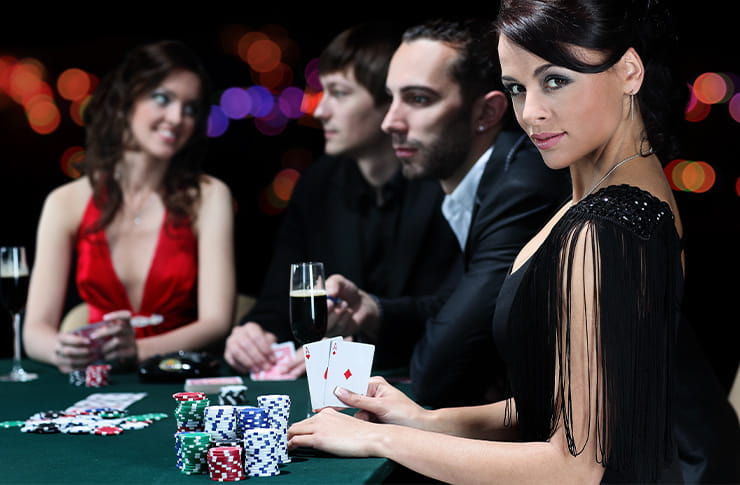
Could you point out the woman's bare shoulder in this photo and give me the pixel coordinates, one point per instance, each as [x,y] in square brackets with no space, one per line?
[68,201]
[210,185]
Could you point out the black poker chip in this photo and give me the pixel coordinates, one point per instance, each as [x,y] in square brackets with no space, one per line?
[41,428]
[48,415]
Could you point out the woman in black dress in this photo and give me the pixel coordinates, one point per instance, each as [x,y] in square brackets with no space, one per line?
[588,317]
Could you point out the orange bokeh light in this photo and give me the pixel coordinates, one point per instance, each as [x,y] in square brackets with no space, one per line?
[24,80]
[43,116]
[73,84]
[690,176]
[284,183]
[710,88]
[246,41]
[263,55]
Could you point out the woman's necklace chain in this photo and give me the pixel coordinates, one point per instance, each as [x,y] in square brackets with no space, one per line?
[616,166]
[138,211]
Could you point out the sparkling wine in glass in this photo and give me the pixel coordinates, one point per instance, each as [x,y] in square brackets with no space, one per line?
[308,311]
[13,290]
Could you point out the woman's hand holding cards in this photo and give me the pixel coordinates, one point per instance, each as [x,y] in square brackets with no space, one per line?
[383,403]
[72,352]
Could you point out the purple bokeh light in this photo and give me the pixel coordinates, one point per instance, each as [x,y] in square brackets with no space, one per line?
[290,101]
[236,103]
[218,122]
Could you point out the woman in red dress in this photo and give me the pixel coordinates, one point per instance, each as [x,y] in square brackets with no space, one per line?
[153,235]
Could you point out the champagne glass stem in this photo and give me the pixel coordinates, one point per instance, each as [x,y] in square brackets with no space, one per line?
[309,411]
[17,367]
[18,373]
[16,342]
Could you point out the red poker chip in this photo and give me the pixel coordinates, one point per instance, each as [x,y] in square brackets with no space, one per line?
[189,396]
[108,430]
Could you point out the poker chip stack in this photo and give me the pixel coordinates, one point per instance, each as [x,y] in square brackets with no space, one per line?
[249,417]
[232,395]
[220,423]
[96,375]
[190,410]
[278,408]
[42,427]
[77,377]
[260,452]
[191,449]
[225,464]
[44,422]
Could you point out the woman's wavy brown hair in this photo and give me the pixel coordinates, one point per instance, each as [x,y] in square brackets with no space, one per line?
[107,126]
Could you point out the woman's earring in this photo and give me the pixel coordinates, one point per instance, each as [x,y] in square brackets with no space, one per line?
[632,106]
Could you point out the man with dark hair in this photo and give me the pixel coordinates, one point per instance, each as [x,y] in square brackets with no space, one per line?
[446,121]
[352,209]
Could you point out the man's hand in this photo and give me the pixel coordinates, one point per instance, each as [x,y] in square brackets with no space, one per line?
[249,348]
[355,312]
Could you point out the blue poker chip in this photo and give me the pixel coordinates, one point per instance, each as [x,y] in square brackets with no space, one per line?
[78,429]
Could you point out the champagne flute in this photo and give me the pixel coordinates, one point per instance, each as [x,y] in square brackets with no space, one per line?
[308,313]
[13,290]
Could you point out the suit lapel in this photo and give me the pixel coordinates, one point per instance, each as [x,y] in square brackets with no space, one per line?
[495,168]
[421,199]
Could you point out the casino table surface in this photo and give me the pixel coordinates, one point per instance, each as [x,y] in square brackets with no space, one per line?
[141,456]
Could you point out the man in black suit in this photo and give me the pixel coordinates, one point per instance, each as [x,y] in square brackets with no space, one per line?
[446,122]
[352,209]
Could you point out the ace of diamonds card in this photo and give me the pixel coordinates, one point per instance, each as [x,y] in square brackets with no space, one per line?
[336,363]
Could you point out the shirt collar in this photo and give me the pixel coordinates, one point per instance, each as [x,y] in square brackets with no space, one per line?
[457,207]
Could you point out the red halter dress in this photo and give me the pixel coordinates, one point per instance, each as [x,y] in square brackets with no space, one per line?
[170,289]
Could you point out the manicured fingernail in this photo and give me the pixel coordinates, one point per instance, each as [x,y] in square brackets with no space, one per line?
[341,392]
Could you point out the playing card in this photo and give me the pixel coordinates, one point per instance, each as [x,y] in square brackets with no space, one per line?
[316,355]
[350,364]
[284,353]
[96,345]
[211,385]
[117,400]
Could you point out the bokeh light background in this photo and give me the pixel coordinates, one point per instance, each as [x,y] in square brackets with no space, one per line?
[262,135]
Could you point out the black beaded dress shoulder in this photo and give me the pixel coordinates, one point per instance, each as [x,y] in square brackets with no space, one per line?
[638,285]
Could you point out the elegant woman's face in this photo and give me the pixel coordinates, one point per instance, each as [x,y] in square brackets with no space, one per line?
[163,120]
[568,115]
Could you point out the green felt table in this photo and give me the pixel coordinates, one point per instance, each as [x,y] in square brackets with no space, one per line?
[140,456]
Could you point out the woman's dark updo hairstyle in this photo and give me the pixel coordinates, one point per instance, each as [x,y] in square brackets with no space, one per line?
[107,117]
[547,28]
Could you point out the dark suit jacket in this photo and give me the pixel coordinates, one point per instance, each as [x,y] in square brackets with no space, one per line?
[455,362]
[322,222]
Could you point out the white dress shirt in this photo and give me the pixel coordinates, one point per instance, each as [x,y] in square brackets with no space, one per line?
[457,207]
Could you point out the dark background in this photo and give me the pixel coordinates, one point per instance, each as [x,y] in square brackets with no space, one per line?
[248,160]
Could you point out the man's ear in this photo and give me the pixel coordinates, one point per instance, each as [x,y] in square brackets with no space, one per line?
[488,111]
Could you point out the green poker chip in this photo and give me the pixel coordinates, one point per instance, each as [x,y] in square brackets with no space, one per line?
[11,424]
[113,413]
[151,416]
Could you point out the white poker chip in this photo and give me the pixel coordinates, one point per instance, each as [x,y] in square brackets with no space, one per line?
[129,425]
